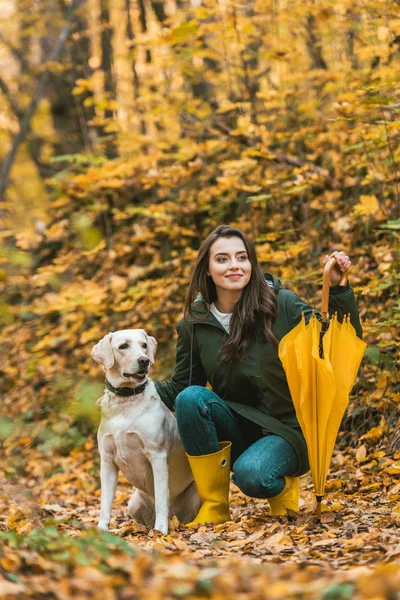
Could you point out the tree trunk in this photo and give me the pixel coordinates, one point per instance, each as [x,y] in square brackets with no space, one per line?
[143,25]
[130,34]
[355,20]
[250,62]
[158,8]
[24,26]
[314,44]
[107,68]
[67,111]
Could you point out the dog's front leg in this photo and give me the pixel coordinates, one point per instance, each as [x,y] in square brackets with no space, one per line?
[108,478]
[161,490]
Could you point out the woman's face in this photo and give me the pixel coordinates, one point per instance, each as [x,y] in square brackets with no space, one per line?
[229,264]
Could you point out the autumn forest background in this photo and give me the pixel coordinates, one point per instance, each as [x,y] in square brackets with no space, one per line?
[128,130]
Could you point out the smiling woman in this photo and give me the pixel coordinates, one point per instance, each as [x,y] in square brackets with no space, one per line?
[229,278]
[230,270]
[234,318]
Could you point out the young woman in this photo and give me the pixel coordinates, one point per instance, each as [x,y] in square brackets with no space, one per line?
[233,321]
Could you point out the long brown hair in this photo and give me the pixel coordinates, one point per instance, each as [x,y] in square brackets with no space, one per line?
[257,299]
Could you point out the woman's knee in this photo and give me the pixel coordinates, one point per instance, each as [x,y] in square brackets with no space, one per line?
[251,481]
[190,400]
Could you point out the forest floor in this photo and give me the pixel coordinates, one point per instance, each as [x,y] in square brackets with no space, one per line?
[50,548]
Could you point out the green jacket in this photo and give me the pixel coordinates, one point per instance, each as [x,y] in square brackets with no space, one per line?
[255,387]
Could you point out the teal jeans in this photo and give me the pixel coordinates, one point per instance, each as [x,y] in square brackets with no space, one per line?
[259,461]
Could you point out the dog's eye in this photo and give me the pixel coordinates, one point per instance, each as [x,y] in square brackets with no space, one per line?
[123,347]
[144,346]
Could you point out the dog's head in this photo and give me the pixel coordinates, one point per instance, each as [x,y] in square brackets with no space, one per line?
[127,353]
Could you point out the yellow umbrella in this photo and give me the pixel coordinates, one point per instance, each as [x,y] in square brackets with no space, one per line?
[320,378]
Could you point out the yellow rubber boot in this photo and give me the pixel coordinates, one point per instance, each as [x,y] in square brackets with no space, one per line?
[288,498]
[211,473]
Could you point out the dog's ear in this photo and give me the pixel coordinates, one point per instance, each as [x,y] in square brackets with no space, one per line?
[152,347]
[103,353]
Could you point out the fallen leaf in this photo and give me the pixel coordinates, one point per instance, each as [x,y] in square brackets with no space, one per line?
[361,453]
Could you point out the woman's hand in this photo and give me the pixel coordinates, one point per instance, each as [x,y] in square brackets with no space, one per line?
[343,264]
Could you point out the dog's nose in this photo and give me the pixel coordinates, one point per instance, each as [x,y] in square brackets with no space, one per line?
[143,362]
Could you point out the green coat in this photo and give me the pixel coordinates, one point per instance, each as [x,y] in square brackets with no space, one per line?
[255,387]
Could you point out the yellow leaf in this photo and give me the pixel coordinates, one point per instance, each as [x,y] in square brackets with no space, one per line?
[395,490]
[113,182]
[57,231]
[361,453]
[375,432]
[234,166]
[118,283]
[85,84]
[277,542]
[296,249]
[61,201]
[382,381]
[368,205]
[396,509]
[394,469]
[272,237]
[228,106]
[251,189]
[333,484]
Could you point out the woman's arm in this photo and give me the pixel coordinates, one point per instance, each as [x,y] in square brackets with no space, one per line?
[342,301]
[341,298]
[188,368]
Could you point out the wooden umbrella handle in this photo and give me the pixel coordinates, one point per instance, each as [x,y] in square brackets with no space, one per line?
[325,286]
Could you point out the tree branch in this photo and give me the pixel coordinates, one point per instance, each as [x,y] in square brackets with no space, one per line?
[34,142]
[13,104]
[40,87]
[17,53]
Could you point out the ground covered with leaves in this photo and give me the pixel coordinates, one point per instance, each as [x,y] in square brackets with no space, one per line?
[51,549]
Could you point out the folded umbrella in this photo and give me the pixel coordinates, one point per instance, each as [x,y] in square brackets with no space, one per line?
[321,363]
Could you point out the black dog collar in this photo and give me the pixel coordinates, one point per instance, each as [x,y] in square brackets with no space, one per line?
[124,391]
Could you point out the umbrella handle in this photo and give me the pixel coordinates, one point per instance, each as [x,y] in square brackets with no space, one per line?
[319,507]
[325,286]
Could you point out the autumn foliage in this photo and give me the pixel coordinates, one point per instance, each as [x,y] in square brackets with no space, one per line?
[281,118]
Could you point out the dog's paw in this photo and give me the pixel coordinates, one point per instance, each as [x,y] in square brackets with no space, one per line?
[102,527]
[162,527]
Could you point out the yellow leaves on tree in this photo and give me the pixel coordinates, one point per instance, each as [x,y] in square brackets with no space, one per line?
[367,206]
